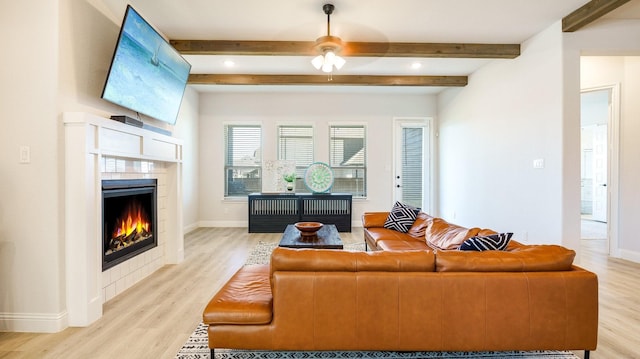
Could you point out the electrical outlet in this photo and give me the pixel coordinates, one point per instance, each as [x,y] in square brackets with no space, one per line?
[25,154]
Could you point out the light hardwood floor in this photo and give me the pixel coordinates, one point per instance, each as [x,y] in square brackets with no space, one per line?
[155,317]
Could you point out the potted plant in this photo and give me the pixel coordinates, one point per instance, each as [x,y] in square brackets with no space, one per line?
[290,179]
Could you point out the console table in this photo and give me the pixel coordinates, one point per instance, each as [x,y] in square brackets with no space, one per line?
[272,212]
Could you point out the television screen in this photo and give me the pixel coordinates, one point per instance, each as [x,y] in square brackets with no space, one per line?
[147,74]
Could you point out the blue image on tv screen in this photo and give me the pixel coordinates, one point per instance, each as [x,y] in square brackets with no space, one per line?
[147,74]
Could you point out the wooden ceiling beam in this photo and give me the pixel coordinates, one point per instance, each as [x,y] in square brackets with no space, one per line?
[361,80]
[356,49]
[588,13]
[438,50]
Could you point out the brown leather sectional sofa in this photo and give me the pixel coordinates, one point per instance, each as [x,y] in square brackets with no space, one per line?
[408,298]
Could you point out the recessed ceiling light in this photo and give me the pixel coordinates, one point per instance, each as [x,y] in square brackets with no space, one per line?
[416,65]
[229,63]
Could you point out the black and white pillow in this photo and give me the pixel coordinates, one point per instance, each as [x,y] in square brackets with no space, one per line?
[495,242]
[401,217]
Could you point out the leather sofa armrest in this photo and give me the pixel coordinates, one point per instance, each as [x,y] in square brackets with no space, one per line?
[374,219]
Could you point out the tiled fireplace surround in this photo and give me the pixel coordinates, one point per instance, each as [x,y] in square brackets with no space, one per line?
[95,149]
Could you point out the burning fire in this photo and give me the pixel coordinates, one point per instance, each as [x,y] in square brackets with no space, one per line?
[135,221]
[131,227]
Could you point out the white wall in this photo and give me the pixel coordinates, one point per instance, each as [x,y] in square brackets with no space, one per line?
[509,114]
[88,37]
[187,128]
[373,109]
[59,56]
[515,111]
[614,38]
[624,71]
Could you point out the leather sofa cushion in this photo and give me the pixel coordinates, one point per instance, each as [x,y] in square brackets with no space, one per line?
[406,245]
[530,258]
[419,227]
[376,234]
[444,235]
[245,299]
[486,232]
[328,260]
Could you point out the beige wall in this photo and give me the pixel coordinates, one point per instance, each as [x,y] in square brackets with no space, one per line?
[31,260]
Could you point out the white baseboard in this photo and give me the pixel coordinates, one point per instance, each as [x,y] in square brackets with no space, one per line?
[632,256]
[190,228]
[223,224]
[236,224]
[33,322]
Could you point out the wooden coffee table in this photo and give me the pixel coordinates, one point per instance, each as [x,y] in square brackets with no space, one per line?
[327,238]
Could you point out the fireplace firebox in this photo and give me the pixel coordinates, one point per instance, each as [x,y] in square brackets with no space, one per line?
[129,219]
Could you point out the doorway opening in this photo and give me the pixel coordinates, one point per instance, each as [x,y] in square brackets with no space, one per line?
[596,119]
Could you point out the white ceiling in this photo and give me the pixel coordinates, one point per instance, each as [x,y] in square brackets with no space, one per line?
[464,21]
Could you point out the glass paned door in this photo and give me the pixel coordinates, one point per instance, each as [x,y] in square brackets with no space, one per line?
[412,167]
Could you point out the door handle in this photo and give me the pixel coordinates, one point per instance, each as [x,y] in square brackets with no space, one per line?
[398,186]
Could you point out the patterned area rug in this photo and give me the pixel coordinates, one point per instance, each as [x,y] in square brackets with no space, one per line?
[197,346]
[262,252]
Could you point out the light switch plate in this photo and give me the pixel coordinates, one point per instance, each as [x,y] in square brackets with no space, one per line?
[538,163]
[25,154]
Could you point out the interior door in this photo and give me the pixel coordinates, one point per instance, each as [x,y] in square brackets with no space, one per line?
[412,163]
[595,117]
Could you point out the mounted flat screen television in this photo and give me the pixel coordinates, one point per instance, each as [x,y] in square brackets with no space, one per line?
[147,75]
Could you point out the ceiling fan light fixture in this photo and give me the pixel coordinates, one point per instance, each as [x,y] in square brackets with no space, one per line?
[317,62]
[328,46]
[327,61]
[338,62]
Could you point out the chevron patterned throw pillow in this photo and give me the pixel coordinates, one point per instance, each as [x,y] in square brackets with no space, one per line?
[495,242]
[401,217]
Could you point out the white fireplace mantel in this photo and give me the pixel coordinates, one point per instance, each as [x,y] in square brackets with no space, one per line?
[89,139]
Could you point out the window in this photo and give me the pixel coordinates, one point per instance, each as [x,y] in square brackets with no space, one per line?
[243,159]
[348,159]
[296,143]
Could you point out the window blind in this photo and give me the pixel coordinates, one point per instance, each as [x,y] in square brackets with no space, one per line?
[296,143]
[412,163]
[243,159]
[347,158]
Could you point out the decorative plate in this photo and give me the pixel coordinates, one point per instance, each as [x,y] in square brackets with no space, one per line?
[318,177]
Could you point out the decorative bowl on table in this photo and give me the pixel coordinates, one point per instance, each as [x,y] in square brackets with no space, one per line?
[308,229]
